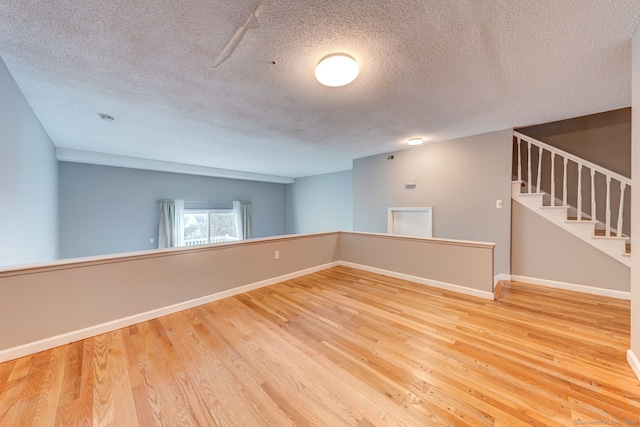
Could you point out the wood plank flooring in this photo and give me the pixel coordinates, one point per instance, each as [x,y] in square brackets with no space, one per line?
[343,347]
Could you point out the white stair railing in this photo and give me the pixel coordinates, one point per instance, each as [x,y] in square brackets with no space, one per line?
[541,147]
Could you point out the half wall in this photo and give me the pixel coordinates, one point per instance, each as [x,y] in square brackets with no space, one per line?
[45,306]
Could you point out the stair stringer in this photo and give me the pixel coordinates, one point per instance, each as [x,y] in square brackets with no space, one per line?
[584,230]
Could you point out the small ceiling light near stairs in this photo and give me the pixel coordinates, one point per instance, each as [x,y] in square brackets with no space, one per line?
[337,70]
[415,141]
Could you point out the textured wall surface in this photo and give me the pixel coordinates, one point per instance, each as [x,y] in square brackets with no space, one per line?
[230,84]
[28,181]
[106,210]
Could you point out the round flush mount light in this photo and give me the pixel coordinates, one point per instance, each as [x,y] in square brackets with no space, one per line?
[337,70]
[415,141]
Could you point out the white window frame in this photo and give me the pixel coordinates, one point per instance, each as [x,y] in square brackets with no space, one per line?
[208,240]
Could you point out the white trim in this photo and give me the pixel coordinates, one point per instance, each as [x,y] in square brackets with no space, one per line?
[438,240]
[573,287]
[421,280]
[633,362]
[499,277]
[69,337]
[429,220]
[14,270]
[69,263]
[92,157]
[573,158]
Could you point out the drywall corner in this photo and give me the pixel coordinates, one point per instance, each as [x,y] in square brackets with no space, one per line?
[28,181]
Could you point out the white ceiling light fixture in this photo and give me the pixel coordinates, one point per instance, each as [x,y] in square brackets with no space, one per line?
[337,70]
[415,141]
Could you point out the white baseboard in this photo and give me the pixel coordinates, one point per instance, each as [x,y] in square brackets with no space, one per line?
[499,277]
[69,337]
[634,363]
[573,287]
[421,280]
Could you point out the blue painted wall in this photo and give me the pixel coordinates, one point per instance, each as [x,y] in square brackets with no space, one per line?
[320,203]
[105,210]
[28,181]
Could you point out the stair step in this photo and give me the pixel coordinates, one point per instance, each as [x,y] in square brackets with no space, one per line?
[531,194]
[582,229]
[614,246]
[573,221]
[610,238]
[582,221]
[601,233]
[555,213]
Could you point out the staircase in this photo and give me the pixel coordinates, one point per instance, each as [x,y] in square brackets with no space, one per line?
[546,165]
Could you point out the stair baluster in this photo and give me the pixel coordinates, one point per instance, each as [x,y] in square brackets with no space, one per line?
[519,160]
[607,227]
[579,201]
[538,190]
[593,194]
[564,183]
[620,209]
[553,179]
[529,165]
[607,240]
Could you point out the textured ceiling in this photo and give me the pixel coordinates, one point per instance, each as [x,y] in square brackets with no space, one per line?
[230,84]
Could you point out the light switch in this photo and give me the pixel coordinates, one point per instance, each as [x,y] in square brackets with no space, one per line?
[499,204]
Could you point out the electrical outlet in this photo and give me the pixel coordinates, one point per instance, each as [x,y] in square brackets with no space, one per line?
[276,254]
[151,240]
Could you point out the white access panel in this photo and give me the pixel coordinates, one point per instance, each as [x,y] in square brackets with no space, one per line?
[410,221]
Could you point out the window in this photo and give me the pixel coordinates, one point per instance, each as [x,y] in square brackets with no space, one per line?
[209,226]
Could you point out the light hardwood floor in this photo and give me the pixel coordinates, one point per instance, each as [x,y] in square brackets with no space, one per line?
[343,347]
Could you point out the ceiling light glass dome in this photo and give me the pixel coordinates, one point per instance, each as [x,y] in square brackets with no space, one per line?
[337,70]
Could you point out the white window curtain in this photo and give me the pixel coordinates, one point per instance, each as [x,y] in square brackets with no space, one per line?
[242,210]
[170,226]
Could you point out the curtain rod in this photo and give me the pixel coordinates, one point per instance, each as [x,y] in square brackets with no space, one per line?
[199,201]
